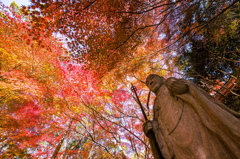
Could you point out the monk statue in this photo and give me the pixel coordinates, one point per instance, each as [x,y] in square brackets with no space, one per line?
[190,124]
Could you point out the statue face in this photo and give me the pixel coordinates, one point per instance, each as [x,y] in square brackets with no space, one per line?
[154,82]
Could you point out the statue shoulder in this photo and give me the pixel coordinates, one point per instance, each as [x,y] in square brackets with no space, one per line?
[177,86]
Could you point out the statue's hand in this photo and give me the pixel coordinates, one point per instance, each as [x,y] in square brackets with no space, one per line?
[147,126]
[176,86]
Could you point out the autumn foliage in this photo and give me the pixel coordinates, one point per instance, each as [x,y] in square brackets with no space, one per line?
[66,69]
[52,106]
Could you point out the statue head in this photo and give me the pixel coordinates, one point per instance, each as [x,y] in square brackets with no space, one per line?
[154,82]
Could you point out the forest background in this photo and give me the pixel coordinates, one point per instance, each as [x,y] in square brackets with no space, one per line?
[66,68]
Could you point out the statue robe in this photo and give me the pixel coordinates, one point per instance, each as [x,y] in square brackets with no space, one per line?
[194,125]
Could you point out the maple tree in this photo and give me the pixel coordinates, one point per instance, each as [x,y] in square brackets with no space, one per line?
[30,74]
[104,33]
[53,107]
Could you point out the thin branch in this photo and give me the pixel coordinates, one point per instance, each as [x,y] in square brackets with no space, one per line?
[148,10]
[221,58]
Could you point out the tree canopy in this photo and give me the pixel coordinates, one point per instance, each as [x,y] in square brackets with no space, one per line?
[214,55]
[66,68]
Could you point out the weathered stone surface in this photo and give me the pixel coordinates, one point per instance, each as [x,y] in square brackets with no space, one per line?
[190,124]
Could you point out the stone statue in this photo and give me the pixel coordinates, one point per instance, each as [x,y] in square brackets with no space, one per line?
[190,124]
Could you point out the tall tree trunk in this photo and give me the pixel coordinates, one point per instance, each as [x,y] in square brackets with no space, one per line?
[54,156]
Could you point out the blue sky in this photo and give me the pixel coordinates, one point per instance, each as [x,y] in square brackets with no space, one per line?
[19,2]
